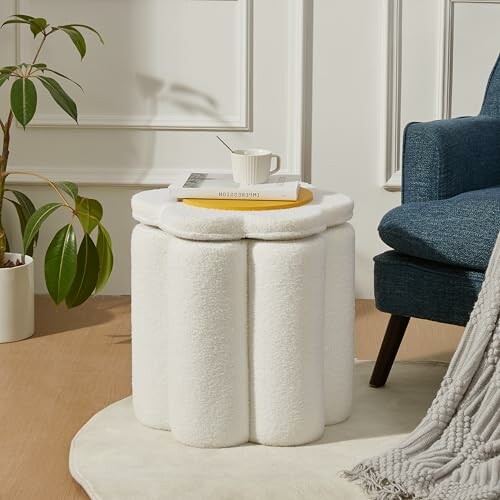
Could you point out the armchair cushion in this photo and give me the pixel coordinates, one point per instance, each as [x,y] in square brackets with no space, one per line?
[459,231]
[444,158]
[408,286]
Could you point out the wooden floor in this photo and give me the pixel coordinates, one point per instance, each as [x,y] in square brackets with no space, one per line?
[424,340]
[79,362]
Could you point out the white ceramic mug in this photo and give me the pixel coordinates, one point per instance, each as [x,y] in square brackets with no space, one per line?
[253,166]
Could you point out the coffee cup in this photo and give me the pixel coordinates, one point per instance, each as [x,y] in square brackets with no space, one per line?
[253,166]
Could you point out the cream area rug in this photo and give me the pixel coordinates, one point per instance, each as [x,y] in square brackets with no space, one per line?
[114,457]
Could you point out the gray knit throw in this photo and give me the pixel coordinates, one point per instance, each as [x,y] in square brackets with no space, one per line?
[454,453]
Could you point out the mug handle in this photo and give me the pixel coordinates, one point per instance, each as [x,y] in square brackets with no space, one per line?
[277,169]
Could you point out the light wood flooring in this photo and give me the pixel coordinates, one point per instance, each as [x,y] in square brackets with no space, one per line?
[79,362]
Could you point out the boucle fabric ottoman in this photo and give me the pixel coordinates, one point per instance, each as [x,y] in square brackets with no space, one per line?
[242,322]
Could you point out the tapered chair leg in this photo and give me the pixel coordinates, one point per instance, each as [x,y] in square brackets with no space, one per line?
[392,340]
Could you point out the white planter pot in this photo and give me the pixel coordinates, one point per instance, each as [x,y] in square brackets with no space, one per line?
[17,301]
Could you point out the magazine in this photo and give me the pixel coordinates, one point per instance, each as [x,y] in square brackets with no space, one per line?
[222,186]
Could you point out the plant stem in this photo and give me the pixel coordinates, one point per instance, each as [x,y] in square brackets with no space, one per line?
[48,181]
[3,239]
[3,167]
[6,143]
[4,158]
[39,48]
[45,35]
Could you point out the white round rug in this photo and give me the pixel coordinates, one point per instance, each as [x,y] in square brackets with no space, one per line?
[115,458]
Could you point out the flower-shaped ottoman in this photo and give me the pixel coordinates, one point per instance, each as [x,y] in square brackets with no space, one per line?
[242,321]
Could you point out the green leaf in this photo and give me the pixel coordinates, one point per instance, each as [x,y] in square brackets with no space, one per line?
[59,95]
[40,21]
[13,21]
[36,220]
[62,76]
[86,274]
[77,39]
[70,188]
[89,212]
[39,66]
[23,100]
[61,263]
[37,25]
[35,30]
[25,209]
[24,201]
[7,69]
[3,78]
[24,17]
[86,27]
[105,253]
[20,216]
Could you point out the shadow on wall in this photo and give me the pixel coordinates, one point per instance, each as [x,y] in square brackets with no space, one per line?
[190,100]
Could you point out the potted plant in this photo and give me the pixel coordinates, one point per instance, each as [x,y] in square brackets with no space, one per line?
[73,271]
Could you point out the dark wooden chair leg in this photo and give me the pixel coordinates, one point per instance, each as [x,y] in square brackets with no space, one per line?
[392,340]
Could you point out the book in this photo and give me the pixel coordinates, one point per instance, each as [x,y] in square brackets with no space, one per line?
[222,186]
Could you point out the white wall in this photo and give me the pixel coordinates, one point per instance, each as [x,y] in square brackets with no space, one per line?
[476,47]
[348,118]
[348,123]
[347,130]
[349,127]
[156,119]
[168,82]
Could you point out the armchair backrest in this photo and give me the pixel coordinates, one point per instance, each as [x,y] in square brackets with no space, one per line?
[491,103]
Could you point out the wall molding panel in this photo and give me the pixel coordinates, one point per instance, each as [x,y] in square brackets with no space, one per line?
[240,120]
[445,9]
[392,181]
[103,176]
[293,141]
[300,23]
[446,95]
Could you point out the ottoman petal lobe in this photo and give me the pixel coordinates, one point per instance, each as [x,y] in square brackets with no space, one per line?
[339,322]
[286,282]
[150,252]
[207,334]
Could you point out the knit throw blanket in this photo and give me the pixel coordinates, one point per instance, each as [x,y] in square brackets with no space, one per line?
[454,453]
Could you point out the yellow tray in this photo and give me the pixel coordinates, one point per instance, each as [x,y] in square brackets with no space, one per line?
[305,196]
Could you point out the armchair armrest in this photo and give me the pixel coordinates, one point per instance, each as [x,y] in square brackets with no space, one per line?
[444,158]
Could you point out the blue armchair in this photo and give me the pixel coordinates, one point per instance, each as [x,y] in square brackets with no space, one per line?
[444,232]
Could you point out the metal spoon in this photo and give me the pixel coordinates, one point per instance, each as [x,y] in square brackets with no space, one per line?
[225,144]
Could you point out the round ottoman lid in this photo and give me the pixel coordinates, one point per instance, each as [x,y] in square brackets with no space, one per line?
[157,207]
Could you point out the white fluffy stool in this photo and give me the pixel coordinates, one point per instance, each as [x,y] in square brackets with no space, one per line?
[242,322]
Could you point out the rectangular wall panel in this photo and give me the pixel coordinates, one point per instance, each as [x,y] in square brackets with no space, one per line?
[171,75]
[165,64]
[476,46]
[440,55]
